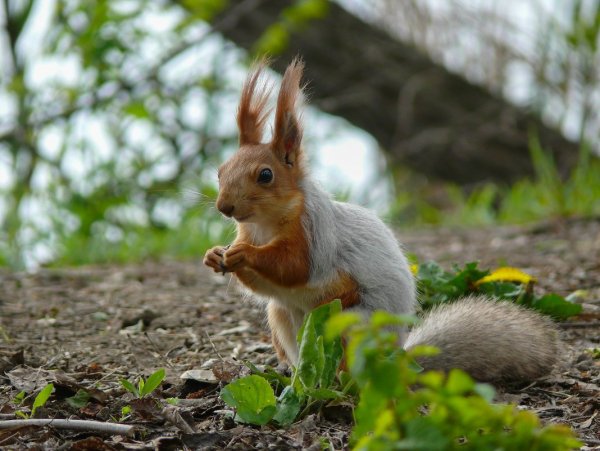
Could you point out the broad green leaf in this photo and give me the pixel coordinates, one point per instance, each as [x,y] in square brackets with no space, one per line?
[423,350]
[319,359]
[502,290]
[371,404]
[79,400]
[381,371]
[424,434]
[153,382]
[324,394]
[432,379]
[42,397]
[130,387]
[253,399]
[382,318]
[332,348]
[340,323]
[269,374]
[556,306]
[459,382]
[464,279]
[309,356]
[289,404]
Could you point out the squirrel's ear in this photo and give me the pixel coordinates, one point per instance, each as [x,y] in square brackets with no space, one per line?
[287,135]
[252,111]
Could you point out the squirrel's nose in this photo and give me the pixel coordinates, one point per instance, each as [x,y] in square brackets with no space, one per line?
[226,209]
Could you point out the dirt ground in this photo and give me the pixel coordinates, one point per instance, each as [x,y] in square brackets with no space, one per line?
[89,327]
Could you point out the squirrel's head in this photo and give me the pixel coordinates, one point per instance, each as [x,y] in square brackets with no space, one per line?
[260,182]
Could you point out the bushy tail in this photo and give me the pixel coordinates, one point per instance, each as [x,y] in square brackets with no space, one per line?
[490,340]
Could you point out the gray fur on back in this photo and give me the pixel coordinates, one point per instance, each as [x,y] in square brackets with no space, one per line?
[492,341]
[351,239]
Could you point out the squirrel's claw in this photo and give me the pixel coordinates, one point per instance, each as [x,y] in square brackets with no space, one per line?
[235,256]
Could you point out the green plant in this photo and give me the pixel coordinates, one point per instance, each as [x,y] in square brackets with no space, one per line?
[402,407]
[125,413]
[436,285]
[594,352]
[313,381]
[79,399]
[19,398]
[543,196]
[39,401]
[144,387]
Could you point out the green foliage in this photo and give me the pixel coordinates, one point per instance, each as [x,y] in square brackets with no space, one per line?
[436,286]
[144,387]
[19,398]
[79,399]
[137,243]
[275,38]
[39,401]
[99,161]
[313,382]
[544,196]
[253,399]
[402,408]
[125,413]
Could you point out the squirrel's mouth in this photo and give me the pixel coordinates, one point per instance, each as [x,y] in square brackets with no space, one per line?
[242,218]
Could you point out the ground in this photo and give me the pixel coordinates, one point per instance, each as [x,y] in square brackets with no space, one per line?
[89,327]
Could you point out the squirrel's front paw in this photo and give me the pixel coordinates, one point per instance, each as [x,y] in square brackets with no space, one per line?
[214,258]
[236,256]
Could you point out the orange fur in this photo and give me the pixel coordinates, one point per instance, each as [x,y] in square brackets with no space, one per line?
[285,260]
[345,289]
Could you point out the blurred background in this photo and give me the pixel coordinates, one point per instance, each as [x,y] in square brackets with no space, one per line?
[114,115]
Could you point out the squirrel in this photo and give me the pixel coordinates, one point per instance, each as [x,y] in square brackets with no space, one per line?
[297,249]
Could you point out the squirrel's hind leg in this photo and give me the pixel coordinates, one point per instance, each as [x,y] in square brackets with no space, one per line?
[284,328]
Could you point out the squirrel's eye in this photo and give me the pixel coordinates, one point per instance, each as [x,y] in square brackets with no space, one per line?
[265,176]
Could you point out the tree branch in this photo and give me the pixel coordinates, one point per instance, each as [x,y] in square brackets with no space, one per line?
[74,425]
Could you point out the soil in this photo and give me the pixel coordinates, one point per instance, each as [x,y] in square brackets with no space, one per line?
[89,327]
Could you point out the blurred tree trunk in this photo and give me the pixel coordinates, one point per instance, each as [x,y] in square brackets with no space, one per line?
[423,116]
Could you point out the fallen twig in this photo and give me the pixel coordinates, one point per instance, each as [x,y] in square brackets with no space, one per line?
[75,425]
[171,414]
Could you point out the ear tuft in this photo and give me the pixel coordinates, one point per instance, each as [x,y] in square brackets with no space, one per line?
[287,135]
[252,111]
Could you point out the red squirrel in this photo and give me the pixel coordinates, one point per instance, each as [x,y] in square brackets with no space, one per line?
[296,249]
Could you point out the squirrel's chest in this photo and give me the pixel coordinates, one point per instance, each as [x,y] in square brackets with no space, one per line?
[300,297]
[305,298]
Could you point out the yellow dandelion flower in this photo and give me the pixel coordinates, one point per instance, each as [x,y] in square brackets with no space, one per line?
[414,269]
[507,274]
